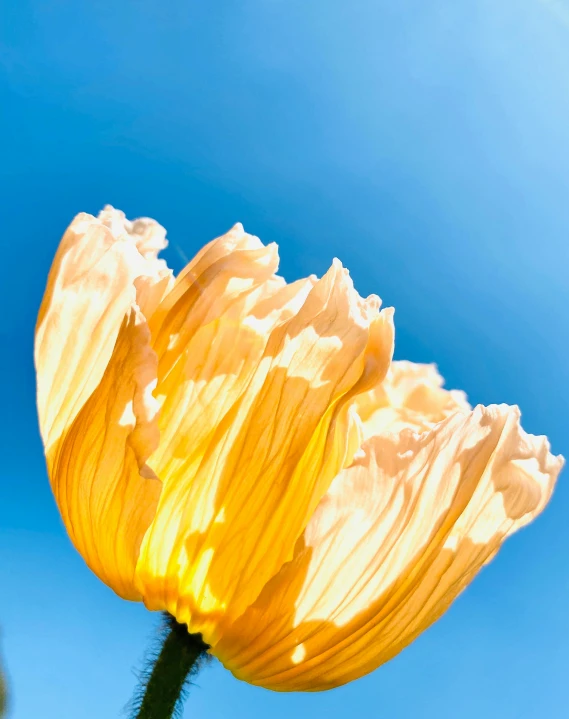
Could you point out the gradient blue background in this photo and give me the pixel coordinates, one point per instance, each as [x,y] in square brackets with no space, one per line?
[425,143]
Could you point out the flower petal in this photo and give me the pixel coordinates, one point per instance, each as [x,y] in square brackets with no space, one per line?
[106,493]
[411,396]
[256,422]
[149,238]
[398,536]
[91,339]
[221,277]
[90,289]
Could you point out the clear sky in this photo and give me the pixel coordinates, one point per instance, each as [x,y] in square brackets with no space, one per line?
[426,144]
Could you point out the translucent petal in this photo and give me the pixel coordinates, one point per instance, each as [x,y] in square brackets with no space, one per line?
[397,537]
[90,289]
[95,373]
[256,379]
[410,396]
[149,238]
[106,494]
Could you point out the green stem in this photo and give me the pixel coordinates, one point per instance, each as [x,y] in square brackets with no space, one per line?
[179,658]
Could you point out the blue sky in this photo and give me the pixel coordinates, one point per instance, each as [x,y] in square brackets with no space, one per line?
[426,144]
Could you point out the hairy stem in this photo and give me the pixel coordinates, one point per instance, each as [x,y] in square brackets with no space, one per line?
[162,687]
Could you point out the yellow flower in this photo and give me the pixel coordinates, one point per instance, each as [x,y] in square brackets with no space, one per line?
[244,454]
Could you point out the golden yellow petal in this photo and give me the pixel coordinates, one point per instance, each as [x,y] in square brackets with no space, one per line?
[256,420]
[90,289]
[95,443]
[411,396]
[106,493]
[397,537]
[221,276]
[149,238]
[147,235]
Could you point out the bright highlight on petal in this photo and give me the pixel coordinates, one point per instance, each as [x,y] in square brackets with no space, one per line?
[95,376]
[243,453]
[106,493]
[398,535]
